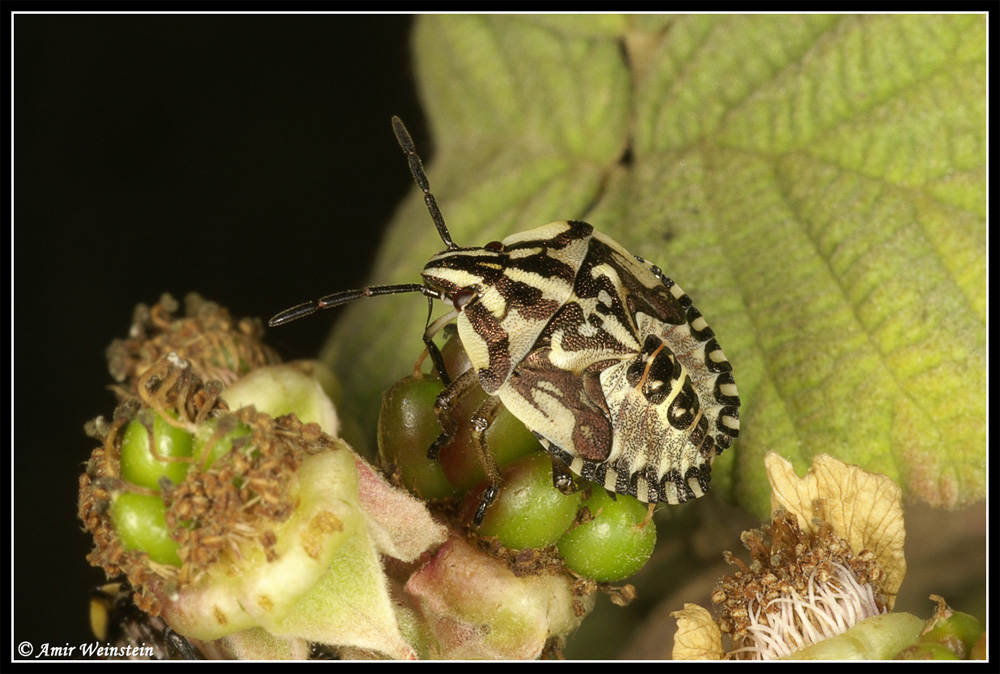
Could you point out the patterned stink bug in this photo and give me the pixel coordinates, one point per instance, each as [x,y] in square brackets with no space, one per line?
[602,356]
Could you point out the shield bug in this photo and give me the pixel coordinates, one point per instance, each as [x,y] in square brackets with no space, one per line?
[602,356]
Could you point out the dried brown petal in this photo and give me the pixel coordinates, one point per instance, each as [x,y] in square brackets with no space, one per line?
[697,637]
[865,509]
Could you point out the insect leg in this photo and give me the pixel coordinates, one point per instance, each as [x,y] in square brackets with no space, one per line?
[562,477]
[432,329]
[435,353]
[444,405]
[180,648]
[480,421]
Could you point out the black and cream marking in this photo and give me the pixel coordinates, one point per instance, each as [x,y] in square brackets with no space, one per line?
[624,381]
[599,353]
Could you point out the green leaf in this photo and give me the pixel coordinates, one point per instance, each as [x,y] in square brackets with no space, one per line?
[816,183]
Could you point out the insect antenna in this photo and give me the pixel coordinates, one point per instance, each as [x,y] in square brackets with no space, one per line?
[345,296]
[420,177]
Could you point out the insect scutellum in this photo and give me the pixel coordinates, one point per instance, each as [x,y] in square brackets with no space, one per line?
[600,354]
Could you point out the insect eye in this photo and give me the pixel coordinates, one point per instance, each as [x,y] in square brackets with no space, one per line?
[461,299]
[494,246]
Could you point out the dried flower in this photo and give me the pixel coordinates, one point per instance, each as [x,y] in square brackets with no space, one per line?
[798,589]
[830,559]
[217,346]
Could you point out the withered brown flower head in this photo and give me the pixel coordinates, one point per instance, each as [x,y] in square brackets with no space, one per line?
[798,589]
[215,510]
[831,557]
[217,346]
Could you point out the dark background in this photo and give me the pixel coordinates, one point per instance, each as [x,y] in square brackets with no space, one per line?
[249,158]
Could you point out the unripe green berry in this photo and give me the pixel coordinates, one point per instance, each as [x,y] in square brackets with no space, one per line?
[506,438]
[223,444]
[616,543]
[407,426]
[140,523]
[139,466]
[958,632]
[529,512]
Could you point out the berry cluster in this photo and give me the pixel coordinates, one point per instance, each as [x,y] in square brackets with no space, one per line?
[599,536]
